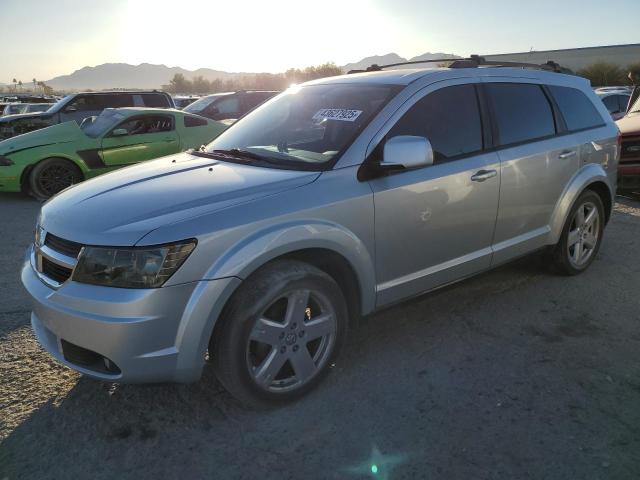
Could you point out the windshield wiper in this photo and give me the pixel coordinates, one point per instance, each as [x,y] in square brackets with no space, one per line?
[241,153]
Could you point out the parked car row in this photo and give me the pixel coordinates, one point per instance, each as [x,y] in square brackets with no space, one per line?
[51,159]
[629,125]
[330,201]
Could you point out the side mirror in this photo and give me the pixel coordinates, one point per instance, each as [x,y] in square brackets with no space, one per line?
[406,152]
[119,132]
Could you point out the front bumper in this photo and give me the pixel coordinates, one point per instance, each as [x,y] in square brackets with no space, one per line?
[149,335]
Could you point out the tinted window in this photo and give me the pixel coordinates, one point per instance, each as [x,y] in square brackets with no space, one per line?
[228,106]
[611,102]
[253,99]
[119,100]
[522,112]
[576,108]
[155,101]
[149,124]
[193,121]
[623,101]
[449,118]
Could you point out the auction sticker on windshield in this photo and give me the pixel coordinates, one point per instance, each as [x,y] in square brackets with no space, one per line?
[342,114]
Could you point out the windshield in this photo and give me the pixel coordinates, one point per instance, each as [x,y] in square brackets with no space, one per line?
[307,125]
[201,104]
[103,123]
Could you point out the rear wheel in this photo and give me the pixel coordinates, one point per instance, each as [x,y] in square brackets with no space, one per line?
[280,334]
[581,236]
[51,176]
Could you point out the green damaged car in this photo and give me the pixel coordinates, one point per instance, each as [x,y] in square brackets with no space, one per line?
[49,160]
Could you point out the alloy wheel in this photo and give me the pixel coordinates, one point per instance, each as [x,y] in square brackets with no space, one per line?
[583,234]
[291,340]
[55,178]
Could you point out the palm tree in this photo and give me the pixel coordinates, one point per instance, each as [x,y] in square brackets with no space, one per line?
[15,85]
[34,84]
[20,83]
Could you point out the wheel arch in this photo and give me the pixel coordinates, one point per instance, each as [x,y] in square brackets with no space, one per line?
[591,176]
[24,176]
[328,246]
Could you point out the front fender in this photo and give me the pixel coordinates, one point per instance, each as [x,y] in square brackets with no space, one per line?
[248,255]
[587,175]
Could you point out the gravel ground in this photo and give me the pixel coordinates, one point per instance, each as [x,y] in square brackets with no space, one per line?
[514,374]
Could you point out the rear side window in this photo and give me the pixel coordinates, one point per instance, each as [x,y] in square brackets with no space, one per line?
[449,118]
[193,121]
[578,111]
[155,101]
[522,112]
[118,100]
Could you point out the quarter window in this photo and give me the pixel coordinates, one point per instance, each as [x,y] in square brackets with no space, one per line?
[577,110]
[449,118]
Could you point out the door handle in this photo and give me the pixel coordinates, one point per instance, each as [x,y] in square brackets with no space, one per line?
[483,175]
[567,154]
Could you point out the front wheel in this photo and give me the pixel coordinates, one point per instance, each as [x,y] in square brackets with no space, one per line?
[51,176]
[280,334]
[581,236]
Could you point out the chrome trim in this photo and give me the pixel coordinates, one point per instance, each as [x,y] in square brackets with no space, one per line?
[57,257]
[36,261]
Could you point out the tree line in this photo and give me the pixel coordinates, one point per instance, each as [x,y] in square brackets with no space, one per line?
[259,81]
[606,74]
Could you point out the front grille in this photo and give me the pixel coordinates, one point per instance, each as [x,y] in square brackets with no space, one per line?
[630,149]
[67,247]
[54,271]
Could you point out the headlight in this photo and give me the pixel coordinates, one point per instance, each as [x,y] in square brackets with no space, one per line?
[137,267]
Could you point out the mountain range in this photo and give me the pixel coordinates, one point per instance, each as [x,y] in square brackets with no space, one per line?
[146,75]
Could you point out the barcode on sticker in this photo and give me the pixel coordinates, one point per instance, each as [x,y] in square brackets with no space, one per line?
[343,114]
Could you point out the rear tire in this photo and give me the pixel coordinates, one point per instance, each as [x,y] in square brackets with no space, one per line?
[581,236]
[280,334]
[51,176]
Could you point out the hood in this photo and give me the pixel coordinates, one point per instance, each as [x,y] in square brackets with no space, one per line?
[119,208]
[630,124]
[25,116]
[60,133]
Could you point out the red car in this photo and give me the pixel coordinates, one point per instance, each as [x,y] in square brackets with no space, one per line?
[629,167]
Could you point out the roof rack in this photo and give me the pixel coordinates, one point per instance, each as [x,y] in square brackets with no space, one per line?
[473,61]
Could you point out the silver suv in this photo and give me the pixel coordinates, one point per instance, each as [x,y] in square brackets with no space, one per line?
[331,200]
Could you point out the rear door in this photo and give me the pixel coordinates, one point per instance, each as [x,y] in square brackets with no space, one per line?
[146,137]
[537,161]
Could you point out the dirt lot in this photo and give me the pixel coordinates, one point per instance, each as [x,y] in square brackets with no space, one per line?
[514,374]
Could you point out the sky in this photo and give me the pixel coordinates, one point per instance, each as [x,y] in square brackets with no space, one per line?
[45,38]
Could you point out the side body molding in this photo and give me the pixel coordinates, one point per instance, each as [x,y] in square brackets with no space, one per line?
[585,176]
[264,245]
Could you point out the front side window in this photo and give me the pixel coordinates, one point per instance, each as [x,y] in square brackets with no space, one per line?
[149,124]
[449,118]
[307,126]
[577,110]
[87,103]
[203,104]
[521,111]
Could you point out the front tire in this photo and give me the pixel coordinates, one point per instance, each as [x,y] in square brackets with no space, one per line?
[581,236]
[51,176]
[280,334]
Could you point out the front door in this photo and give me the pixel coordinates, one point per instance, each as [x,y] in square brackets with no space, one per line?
[140,138]
[435,224]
